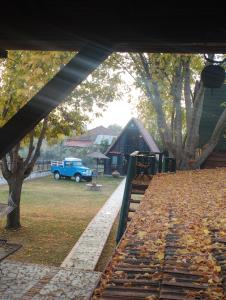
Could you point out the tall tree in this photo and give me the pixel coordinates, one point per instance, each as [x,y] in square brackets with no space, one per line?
[173,94]
[22,75]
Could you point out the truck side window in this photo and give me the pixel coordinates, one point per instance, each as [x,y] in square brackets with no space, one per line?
[68,164]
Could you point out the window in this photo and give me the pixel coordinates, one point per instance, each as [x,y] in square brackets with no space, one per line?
[114,160]
[68,164]
[77,163]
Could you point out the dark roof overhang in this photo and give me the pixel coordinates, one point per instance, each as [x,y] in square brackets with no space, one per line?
[67,25]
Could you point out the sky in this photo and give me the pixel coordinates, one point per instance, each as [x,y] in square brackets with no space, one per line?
[119,112]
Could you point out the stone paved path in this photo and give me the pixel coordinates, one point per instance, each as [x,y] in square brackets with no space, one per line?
[20,281]
[75,279]
[86,252]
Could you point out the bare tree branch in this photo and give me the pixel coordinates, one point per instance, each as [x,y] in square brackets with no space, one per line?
[172,121]
[154,97]
[187,93]
[177,93]
[31,148]
[136,63]
[145,66]
[36,154]
[193,134]
[14,154]
[123,67]
[6,107]
[5,169]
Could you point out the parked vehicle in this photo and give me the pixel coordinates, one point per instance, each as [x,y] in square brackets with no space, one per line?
[71,167]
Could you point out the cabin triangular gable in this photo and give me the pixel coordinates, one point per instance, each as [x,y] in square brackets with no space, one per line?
[213,106]
[134,137]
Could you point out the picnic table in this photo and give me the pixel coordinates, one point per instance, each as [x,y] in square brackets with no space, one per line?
[93,187]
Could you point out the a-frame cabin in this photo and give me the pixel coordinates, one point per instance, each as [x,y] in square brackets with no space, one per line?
[134,137]
[213,106]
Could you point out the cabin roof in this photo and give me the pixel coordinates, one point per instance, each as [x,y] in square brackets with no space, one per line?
[143,131]
[92,136]
[213,106]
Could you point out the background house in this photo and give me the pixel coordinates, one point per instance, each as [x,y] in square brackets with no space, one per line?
[92,137]
[213,106]
[132,138]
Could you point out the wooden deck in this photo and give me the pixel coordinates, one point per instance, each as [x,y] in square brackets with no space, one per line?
[175,245]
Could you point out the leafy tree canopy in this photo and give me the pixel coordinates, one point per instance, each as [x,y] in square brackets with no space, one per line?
[23,74]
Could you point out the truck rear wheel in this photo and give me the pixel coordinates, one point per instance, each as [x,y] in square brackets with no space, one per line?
[56,176]
[78,177]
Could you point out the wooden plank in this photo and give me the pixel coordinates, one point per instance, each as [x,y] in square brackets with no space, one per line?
[217,158]
[121,294]
[137,270]
[187,285]
[137,192]
[211,165]
[134,282]
[134,201]
[148,289]
[132,209]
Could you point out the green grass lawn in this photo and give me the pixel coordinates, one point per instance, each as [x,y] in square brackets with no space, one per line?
[53,216]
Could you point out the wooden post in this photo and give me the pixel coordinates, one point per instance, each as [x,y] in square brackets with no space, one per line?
[160,163]
[126,196]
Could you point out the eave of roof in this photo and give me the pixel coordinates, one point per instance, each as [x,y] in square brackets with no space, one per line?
[80,144]
[92,134]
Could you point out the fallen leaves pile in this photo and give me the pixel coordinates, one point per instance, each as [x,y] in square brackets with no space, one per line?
[188,206]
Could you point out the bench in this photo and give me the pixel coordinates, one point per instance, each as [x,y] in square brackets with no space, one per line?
[93,187]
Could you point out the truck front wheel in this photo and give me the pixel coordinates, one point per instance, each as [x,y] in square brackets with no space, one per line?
[56,175]
[78,177]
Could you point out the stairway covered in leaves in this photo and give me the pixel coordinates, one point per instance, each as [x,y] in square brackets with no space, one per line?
[175,245]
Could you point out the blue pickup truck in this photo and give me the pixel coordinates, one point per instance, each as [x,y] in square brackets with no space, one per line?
[71,167]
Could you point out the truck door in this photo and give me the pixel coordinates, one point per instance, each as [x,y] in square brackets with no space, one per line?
[67,169]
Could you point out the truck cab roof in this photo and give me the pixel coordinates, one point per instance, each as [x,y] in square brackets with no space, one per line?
[72,159]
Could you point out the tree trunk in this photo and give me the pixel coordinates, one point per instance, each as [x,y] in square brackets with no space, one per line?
[15,169]
[15,188]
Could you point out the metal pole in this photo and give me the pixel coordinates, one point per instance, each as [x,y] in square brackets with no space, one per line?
[97,167]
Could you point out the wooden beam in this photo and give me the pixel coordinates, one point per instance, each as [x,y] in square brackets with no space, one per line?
[52,94]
